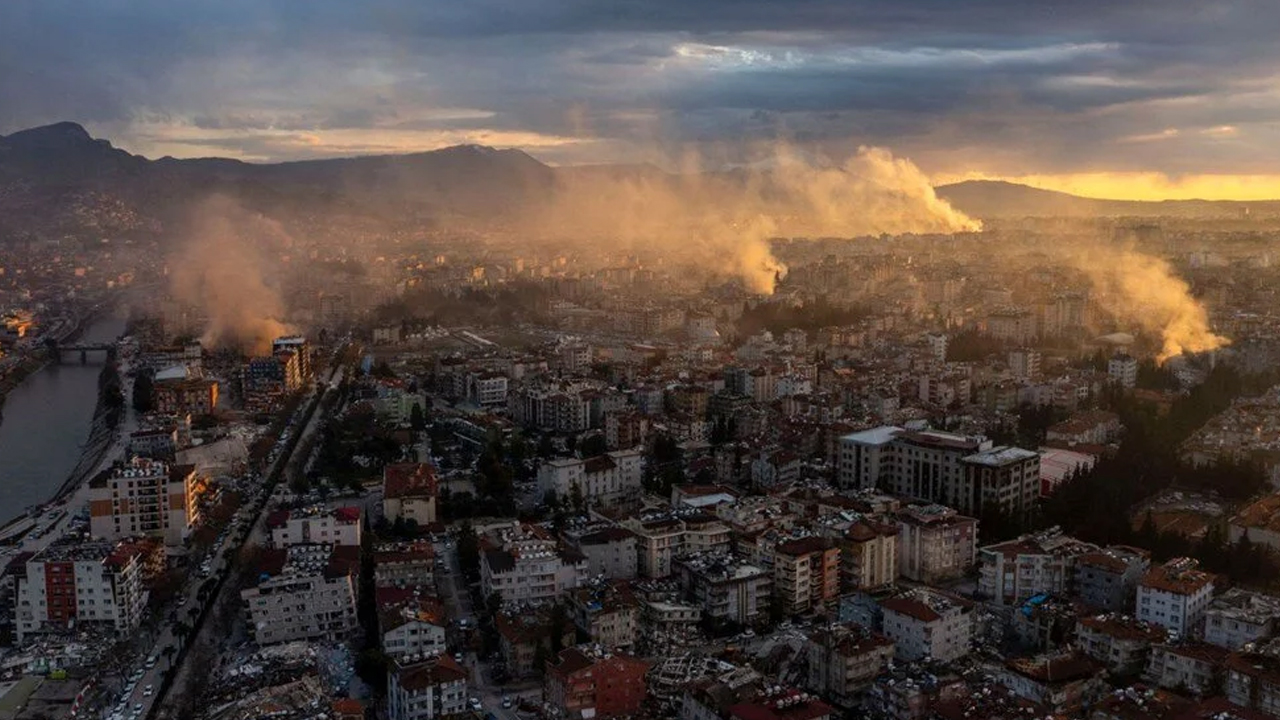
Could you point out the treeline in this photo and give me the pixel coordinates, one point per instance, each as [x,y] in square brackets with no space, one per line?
[810,316]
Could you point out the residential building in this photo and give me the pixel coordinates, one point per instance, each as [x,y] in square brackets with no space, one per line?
[1039,563]
[530,568]
[1239,616]
[145,497]
[1253,681]
[582,684]
[426,688]
[924,623]
[487,389]
[72,585]
[298,345]
[415,628]
[1001,479]
[865,457]
[607,612]
[659,538]
[1175,595]
[723,587]
[1120,642]
[303,592]
[1259,521]
[404,564]
[843,659]
[781,703]
[806,574]
[609,480]
[522,629]
[315,524]
[935,543]
[1064,682]
[667,621]
[868,554]
[409,491]
[610,551]
[1108,579]
[184,395]
[1123,370]
[1191,666]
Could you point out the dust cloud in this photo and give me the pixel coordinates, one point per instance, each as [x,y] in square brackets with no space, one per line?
[220,269]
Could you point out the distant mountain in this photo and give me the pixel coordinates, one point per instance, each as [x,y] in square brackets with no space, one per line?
[1000,199]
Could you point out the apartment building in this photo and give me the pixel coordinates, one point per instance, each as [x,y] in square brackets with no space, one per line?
[1123,370]
[609,480]
[935,543]
[145,497]
[181,395]
[404,564]
[73,584]
[868,555]
[843,659]
[409,491]
[414,628]
[582,683]
[1001,479]
[1253,681]
[925,623]
[1239,616]
[610,551]
[522,630]
[724,587]
[315,524]
[1043,562]
[1176,596]
[1108,579]
[529,568]
[1120,642]
[606,612]
[303,592]
[1193,666]
[425,688]
[806,574]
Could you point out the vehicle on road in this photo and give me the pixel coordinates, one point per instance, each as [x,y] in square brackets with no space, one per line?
[475,703]
[506,702]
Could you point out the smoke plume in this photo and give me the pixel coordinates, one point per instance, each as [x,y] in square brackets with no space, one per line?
[220,270]
[722,221]
[1145,289]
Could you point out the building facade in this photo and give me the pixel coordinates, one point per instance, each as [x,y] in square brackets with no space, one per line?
[145,497]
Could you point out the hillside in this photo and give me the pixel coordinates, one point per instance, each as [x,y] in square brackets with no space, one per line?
[1000,199]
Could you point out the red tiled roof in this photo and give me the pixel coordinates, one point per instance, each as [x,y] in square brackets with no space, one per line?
[911,608]
[400,480]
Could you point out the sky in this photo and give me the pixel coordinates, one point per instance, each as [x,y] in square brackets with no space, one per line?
[1108,98]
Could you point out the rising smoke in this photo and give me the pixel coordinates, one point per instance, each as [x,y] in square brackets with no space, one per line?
[220,270]
[1144,289]
[721,221]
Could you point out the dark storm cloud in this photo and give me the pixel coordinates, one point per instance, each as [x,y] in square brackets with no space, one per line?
[1055,85]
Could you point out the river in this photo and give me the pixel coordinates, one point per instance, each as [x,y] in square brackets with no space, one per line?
[46,421]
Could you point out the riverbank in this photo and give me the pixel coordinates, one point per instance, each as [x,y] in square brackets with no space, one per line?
[39,358]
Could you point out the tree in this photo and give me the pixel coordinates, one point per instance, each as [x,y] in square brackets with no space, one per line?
[592,446]
[144,392]
[417,418]
[468,550]
[576,500]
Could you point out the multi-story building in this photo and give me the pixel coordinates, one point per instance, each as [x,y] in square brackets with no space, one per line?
[868,555]
[1108,579]
[416,628]
[935,543]
[522,630]
[1240,616]
[723,587]
[183,395]
[1123,370]
[409,491]
[669,621]
[72,584]
[843,659]
[1175,595]
[1191,666]
[1063,681]
[782,703]
[487,389]
[303,592]
[608,613]
[1042,562]
[1012,324]
[625,429]
[609,480]
[404,564]
[924,623]
[315,524]
[610,551]
[964,472]
[585,684]
[145,497]
[1253,681]
[299,346]
[658,539]
[530,568]
[425,688]
[806,574]
[1024,363]
[1120,642]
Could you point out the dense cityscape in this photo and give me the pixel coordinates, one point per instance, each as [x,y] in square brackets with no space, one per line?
[538,362]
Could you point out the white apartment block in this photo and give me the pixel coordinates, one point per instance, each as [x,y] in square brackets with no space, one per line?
[1175,596]
[1042,562]
[531,569]
[406,632]
[928,624]
[69,585]
[487,389]
[610,552]
[868,555]
[611,479]
[145,497]
[1123,370]
[426,688]
[306,592]
[1239,616]
[724,587]
[320,525]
